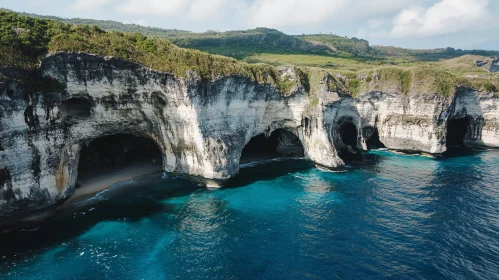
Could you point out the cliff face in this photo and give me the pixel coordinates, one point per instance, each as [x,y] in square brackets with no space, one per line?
[482,110]
[414,123]
[407,123]
[200,127]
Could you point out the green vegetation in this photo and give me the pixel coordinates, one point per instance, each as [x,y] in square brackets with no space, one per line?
[314,101]
[360,50]
[156,53]
[241,44]
[409,81]
[349,65]
[109,25]
[345,45]
[32,38]
[427,55]
[246,43]
[428,79]
[287,85]
[307,60]
[402,78]
[23,40]
[303,78]
[237,44]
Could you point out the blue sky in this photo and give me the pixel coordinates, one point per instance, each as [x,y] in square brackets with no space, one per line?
[466,24]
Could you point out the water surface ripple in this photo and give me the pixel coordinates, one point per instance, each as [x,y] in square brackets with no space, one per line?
[386,216]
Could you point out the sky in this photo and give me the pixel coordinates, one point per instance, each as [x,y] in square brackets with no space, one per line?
[465,24]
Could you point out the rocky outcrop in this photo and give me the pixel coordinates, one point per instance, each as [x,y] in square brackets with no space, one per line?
[494,65]
[482,111]
[490,64]
[415,123]
[200,127]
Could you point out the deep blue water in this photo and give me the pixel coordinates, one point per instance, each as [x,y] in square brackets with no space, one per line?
[385,216]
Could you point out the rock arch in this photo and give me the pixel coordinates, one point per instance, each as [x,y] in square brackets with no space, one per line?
[349,135]
[372,139]
[279,143]
[106,152]
[112,153]
[458,130]
[345,135]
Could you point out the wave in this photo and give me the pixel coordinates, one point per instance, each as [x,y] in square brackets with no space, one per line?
[330,170]
[260,162]
[101,195]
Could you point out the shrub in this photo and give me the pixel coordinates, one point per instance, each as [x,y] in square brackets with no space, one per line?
[304,78]
[24,40]
[353,85]
[489,86]
[401,78]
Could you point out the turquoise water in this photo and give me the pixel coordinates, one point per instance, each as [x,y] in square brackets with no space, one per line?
[385,216]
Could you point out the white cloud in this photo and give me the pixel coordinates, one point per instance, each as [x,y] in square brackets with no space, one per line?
[444,17]
[215,9]
[194,10]
[285,13]
[153,7]
[361,33]
[290,13]
[375,23]
[86,5]
[36,2]
[268,13]
[142,22]
[374,18]
[381,33]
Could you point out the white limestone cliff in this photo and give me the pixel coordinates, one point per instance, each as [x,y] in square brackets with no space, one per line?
[201,127]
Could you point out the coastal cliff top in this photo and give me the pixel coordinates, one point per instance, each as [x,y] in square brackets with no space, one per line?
[25,41]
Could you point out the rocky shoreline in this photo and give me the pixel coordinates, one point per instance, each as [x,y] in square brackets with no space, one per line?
[201,127]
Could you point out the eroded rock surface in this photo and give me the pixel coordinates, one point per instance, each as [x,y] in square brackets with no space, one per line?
[415,123]
[200,127]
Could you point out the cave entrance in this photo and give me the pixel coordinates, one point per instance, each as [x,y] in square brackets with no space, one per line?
[456,132]
[281,143]
[373,141]
[118,155]
[348,134]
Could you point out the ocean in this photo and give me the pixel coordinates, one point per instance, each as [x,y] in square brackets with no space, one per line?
[384,216]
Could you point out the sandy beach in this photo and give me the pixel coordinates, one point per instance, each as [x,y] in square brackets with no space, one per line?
[104,180]
[98,182]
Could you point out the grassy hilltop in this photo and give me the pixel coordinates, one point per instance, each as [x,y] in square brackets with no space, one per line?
[24,41]
[352,64]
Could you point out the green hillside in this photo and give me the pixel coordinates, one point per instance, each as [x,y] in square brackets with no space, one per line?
[241,44]
[110,25]
[345,45]
[238,44]
[25,41]
[245,44]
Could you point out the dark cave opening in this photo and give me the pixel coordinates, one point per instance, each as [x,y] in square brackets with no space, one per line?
[117,152]
[281,143]
[456,132]
[373,142]
[75,107]
[348,133]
